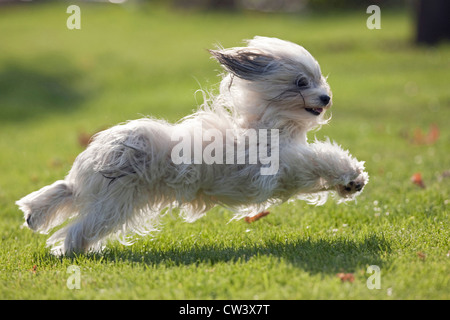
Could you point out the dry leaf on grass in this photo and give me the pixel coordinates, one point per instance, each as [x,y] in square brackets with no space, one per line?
[346,277]
[431,137]
[417,180]
[444,175]
[84,138]
[421,138]
[422,256]
[34,270]
[256,217]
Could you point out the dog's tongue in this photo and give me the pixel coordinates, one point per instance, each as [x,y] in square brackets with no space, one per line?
[319,110]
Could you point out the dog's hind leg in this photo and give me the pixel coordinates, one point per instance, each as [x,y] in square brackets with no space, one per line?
[48,207]
[95,223]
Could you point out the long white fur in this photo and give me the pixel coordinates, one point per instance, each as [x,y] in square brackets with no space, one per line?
[125,180]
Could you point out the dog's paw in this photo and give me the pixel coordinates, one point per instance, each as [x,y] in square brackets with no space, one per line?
[352,187]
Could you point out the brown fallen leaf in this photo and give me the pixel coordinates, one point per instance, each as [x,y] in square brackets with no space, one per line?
[433,135]
[55,162]
[256,217]
[84,138]
[423,138]
[422,256]
[34,270]
[444,175]
[419,137]
[417,180]
[346,277]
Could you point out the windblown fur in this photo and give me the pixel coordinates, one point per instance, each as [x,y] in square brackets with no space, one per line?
[126,179]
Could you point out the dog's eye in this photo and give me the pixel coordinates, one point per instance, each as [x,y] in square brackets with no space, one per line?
[301,82]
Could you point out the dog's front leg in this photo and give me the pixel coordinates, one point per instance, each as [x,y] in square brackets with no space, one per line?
[339,170]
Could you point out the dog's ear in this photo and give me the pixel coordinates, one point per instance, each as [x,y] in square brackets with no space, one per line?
[244,63]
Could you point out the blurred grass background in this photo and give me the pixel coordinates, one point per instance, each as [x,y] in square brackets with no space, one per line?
[391,108]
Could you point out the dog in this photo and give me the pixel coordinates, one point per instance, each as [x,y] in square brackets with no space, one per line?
[129,175]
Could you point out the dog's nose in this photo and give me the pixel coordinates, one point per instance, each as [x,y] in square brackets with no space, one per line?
[325,99]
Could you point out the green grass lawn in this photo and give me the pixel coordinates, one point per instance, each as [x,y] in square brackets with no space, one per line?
[57,84]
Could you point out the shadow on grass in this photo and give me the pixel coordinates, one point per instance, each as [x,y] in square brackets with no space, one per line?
[30,91]
[313,256]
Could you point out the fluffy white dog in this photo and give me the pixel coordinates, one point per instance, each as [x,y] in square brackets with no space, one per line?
[127,178]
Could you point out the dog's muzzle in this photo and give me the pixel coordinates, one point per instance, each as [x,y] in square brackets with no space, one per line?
[325,100]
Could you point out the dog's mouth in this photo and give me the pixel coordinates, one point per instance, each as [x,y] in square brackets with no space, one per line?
[314,111]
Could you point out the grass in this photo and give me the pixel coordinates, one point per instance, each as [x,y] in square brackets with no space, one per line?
[56,84]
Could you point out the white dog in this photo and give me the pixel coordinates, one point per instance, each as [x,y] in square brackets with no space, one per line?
[127,177]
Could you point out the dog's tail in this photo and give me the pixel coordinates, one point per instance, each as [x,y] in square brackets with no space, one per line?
[48,207]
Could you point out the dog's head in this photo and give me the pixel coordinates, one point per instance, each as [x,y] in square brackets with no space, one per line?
[276,79]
